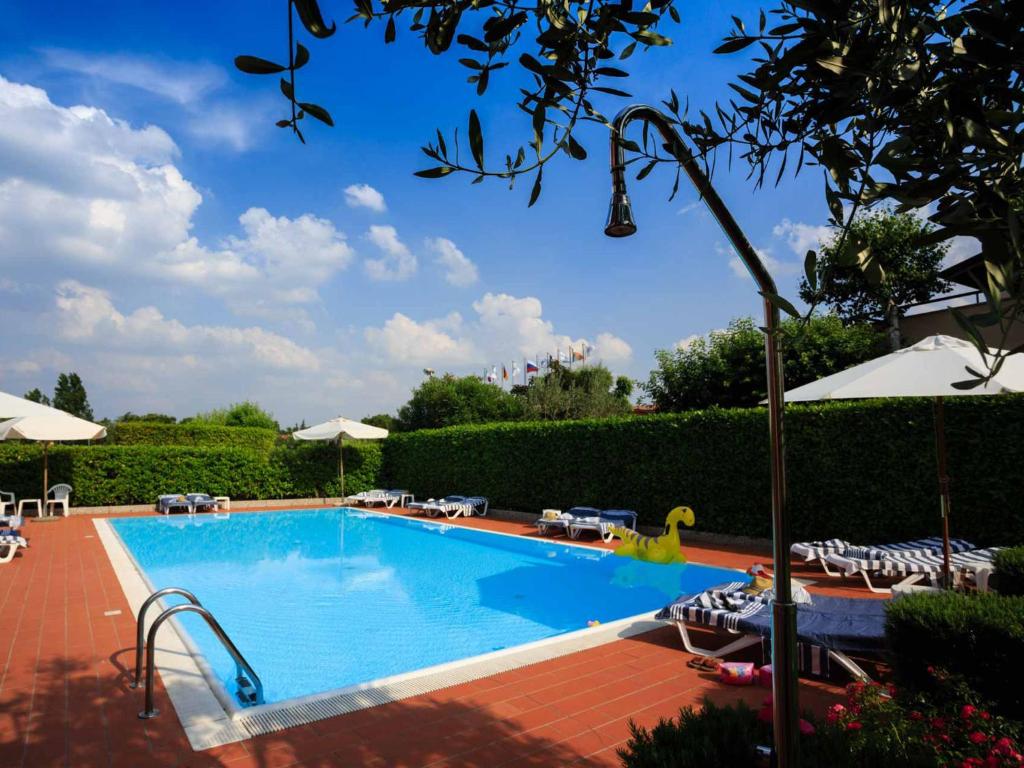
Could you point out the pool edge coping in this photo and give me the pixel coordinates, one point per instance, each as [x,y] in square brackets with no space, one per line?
[210,718]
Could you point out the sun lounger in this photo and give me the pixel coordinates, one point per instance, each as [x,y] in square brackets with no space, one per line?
[913,567]
[173,502]
[388,498]
[820,550]
[452,506]
[828,628]
[603,523]
[364,496]
[563,520]
[9,546]
[202,502]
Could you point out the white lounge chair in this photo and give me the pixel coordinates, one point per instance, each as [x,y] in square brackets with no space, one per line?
[820,550]
[565,519]
[9,546]
[452,506]
[60,493]
[6,500]
[603,523]
[363,497]
[915,566]
[388,499]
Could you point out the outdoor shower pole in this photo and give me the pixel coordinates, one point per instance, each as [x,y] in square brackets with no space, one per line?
[622,224]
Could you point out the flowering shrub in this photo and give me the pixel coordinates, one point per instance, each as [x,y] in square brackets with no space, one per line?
[878,722]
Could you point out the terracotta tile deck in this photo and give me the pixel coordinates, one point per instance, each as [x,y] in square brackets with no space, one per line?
[65,701]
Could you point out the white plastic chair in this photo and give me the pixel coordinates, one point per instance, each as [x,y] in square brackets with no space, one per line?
[60,493]
[6,500]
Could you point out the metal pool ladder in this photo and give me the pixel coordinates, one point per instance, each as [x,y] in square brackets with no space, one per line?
[250,687]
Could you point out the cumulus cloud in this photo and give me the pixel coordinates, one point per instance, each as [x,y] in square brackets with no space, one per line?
[503,325]
[403,340]
[802,237]
[776,267]
[397,263]
[86,314]
[84,188]
[364,196]
[459,270]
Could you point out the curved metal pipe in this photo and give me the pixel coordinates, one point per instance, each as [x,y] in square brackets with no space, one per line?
[140,625]
[621,223]
[236,655]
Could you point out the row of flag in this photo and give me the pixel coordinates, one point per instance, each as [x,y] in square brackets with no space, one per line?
[512,371]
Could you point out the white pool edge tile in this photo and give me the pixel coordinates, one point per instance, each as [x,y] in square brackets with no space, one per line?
[210,720]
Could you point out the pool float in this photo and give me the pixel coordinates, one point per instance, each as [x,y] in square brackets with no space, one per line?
[664,548]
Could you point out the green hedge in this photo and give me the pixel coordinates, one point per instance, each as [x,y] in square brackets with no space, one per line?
[130,474]
[158,433]
[864,471]
[1009,571]
[978,637]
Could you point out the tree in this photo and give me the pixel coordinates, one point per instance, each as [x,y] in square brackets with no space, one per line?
[580,393]
[726,369]
[244,414]
[918,102]
[69,395]
[442,401]
[911,271]
[36,396]
[382,420]
[161,418]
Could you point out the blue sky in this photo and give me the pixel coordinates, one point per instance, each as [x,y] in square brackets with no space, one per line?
[161,237]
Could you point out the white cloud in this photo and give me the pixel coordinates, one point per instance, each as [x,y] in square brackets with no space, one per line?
[364,196]
[776,267]
[398,262]
[83,188]
[183,83]
[403,340]
[459,270]
[87,315]
[802,237]
[688,341]
[612,349]
[504,325]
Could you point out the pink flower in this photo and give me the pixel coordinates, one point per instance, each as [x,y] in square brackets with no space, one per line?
[915,715]
[806,729]
[938,723]
[854,725]
[977,737]
[1004,744]
[967,711]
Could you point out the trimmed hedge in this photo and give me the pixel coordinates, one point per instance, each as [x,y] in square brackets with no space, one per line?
[191,433]
[1009,571]
[859,470]
[978,637]
[131,474]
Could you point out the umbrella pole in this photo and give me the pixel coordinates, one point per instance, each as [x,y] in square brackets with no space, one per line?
[940,454]
[341,466]
[46,475]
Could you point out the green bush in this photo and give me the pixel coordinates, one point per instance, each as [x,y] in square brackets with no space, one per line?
[1009,572]
[863,471]
[190,433]
[104,475]
[979,638]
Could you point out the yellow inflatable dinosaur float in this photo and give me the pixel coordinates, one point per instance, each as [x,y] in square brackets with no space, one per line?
[662,549]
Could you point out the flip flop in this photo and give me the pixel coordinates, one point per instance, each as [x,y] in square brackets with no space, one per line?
[710,663]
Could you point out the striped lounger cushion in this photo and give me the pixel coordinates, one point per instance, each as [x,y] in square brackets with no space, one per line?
[7,540]
[903,564]
[819,550]
[725,607]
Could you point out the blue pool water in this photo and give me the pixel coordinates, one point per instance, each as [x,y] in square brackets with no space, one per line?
[321,599]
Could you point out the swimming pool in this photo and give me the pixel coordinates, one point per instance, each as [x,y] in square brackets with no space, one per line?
[319,600]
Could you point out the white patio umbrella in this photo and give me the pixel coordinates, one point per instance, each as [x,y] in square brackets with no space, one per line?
[48,427]
[12,406]
[338,429]
[926,369]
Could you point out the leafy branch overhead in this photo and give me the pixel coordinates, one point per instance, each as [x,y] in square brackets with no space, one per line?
[570,61]
[298,56]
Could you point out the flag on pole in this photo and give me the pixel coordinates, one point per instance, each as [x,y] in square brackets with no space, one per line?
[493,375]
[515,369]
[531,367]
[504,373]
[577,355]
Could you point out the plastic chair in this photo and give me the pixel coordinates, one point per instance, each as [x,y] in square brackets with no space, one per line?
[60,493]
[6,500]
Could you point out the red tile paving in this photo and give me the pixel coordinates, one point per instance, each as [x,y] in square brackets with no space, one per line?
[65,701]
